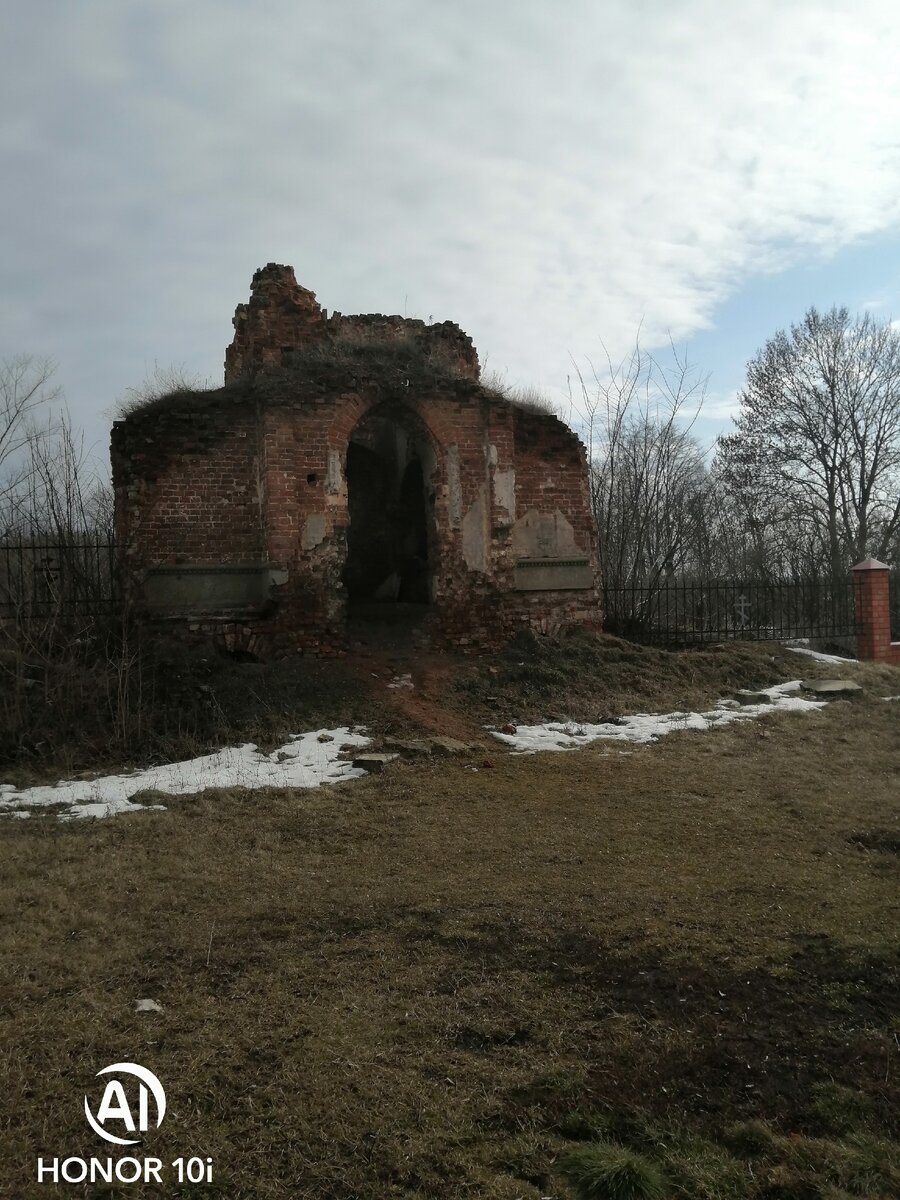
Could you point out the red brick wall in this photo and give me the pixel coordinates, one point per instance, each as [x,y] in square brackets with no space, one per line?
[282,317]
[256,472]
[188,484]
[239,482]
[550,476]
[551,471]
[445,339]
[872,587]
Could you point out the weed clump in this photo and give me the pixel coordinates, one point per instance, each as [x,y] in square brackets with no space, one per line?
[882,841]
[748,1139]
[838,1109]
[528,398]
[604,1171]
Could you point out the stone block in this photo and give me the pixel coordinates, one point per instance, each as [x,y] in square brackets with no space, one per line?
[831,687]
[553,574]
[373,763]
[206,588]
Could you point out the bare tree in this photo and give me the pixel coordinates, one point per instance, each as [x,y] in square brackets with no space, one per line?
[819,431]
[48,484]
[649,481]
[750,534]
[26,386]
[61,492]
[68,661]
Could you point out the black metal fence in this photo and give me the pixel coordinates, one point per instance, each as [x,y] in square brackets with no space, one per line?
[718,610]
[44,577]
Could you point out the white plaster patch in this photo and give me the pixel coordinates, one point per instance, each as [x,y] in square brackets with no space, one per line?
[454,488]
[544,535]
[474,535]
[649,727]
[333,475]
[305,761]
[505,492]
[313,531]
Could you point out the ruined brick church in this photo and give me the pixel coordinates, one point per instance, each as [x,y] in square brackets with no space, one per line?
[350,464]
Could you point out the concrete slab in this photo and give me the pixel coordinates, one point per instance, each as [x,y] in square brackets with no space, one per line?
[830,687]
[373,763]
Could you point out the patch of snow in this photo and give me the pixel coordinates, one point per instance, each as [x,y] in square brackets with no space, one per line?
[303,762]
[147,1005]
[779,690]
[401,681]
[890,697]
[826,658]
[648,727]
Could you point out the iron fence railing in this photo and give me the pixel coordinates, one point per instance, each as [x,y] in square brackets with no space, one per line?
[718,610]
[43,576]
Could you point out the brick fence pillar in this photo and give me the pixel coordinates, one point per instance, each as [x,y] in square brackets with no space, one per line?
[871,588]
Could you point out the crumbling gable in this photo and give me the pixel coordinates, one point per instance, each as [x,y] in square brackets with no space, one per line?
[350,463]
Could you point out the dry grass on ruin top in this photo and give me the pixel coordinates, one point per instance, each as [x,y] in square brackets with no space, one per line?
[442,982]
[394,364]
[400,366]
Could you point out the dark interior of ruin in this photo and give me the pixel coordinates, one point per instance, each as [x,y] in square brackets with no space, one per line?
[390,539]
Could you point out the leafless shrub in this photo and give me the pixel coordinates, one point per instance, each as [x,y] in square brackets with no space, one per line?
[68,662]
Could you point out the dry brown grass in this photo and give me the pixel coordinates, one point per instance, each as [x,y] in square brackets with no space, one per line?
[145,702]
[409,986]
[587,677]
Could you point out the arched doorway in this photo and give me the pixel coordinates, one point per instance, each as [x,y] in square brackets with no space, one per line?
[391,542]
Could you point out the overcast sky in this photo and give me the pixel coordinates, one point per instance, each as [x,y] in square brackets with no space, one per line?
[547,173]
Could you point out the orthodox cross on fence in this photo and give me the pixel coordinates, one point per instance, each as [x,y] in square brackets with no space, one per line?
[742,608]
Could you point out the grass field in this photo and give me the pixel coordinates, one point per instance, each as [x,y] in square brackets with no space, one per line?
[461,980]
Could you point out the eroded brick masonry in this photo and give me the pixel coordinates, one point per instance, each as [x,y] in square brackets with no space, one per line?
[350,464]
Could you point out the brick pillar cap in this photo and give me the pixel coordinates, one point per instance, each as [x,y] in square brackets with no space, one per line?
[871,564]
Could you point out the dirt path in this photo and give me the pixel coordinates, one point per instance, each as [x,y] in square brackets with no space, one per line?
[415,686]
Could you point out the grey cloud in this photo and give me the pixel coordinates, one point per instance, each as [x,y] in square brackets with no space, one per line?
[544,174]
